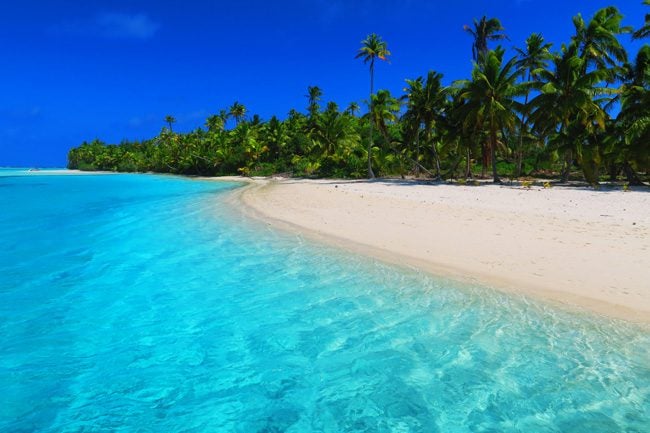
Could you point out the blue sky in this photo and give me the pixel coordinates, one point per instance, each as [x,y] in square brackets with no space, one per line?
[78,70]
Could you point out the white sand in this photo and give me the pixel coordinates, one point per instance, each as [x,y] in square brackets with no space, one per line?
[579,247]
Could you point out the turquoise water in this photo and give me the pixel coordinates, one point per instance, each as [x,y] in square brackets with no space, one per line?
[137,303]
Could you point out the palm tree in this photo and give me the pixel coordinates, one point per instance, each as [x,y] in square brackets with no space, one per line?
[634,118]
[170,120]
[597,40]
[426,102]
[353,108]
[214,123]
[484,30]
[490,97]
[531,59]
[237,111]
[384,111]
[373,47]
[314,94]
[644,31]
[566,108]
[335,134]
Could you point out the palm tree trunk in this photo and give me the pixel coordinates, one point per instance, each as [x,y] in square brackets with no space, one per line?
[417,151]
[632,177]
[566,169]
[520,149]
[612,170]
[371,174]
[468,169]
[493,155]
[436,159]
[484,159]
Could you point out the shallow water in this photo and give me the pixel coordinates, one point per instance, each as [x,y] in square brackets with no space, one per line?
[144,303]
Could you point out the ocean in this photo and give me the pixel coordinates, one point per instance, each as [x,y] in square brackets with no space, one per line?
[145,303]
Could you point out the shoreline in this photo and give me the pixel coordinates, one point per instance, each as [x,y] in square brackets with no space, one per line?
[573,255]
[429,215]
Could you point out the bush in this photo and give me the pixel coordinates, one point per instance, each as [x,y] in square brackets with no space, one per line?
[86,166]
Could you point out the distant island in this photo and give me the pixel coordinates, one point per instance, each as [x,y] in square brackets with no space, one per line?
[578,111]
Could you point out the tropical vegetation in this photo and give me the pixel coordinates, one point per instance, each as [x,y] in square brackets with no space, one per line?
[581,111]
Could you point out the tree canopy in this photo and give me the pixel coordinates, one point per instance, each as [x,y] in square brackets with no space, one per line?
[578,111]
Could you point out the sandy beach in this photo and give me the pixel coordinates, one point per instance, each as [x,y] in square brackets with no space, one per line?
[578,247]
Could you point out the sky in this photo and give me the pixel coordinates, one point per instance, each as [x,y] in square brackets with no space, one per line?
[79,70]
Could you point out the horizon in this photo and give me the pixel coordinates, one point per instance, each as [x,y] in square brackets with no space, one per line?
[114,70]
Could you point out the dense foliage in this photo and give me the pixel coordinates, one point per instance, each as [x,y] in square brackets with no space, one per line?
[581,109]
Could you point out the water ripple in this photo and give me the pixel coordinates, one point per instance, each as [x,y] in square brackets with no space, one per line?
[141,303]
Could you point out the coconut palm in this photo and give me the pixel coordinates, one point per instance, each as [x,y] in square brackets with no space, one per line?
[491,99]
[237,111]
[531,59]
[335,133]
[634,118]
[170,120]
[644,31]
[372,48]
[426,103]
[314,94]
[214,123]
[597,41]
[384,111]
[353,108]
[570,104]
[484,30]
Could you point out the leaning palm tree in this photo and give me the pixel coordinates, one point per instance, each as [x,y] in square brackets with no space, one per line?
[491,99]
[484,30]
[644,31]
[373,47]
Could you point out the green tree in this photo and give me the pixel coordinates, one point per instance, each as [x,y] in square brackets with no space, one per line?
[484,30]
[385,110]
[568,107]
[644,31]
[490,99]
[170,120]
[634,118]
[215,123]
[237,111]
[531,59]
[426,103]
[353,108]
[372,48]
[314,94]
[597,41]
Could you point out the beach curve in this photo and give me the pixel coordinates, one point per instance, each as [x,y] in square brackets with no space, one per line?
[575,247]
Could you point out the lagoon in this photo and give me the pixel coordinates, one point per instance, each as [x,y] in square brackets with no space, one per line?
[147,303]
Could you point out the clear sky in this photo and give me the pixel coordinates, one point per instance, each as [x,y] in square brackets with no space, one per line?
[79,70]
